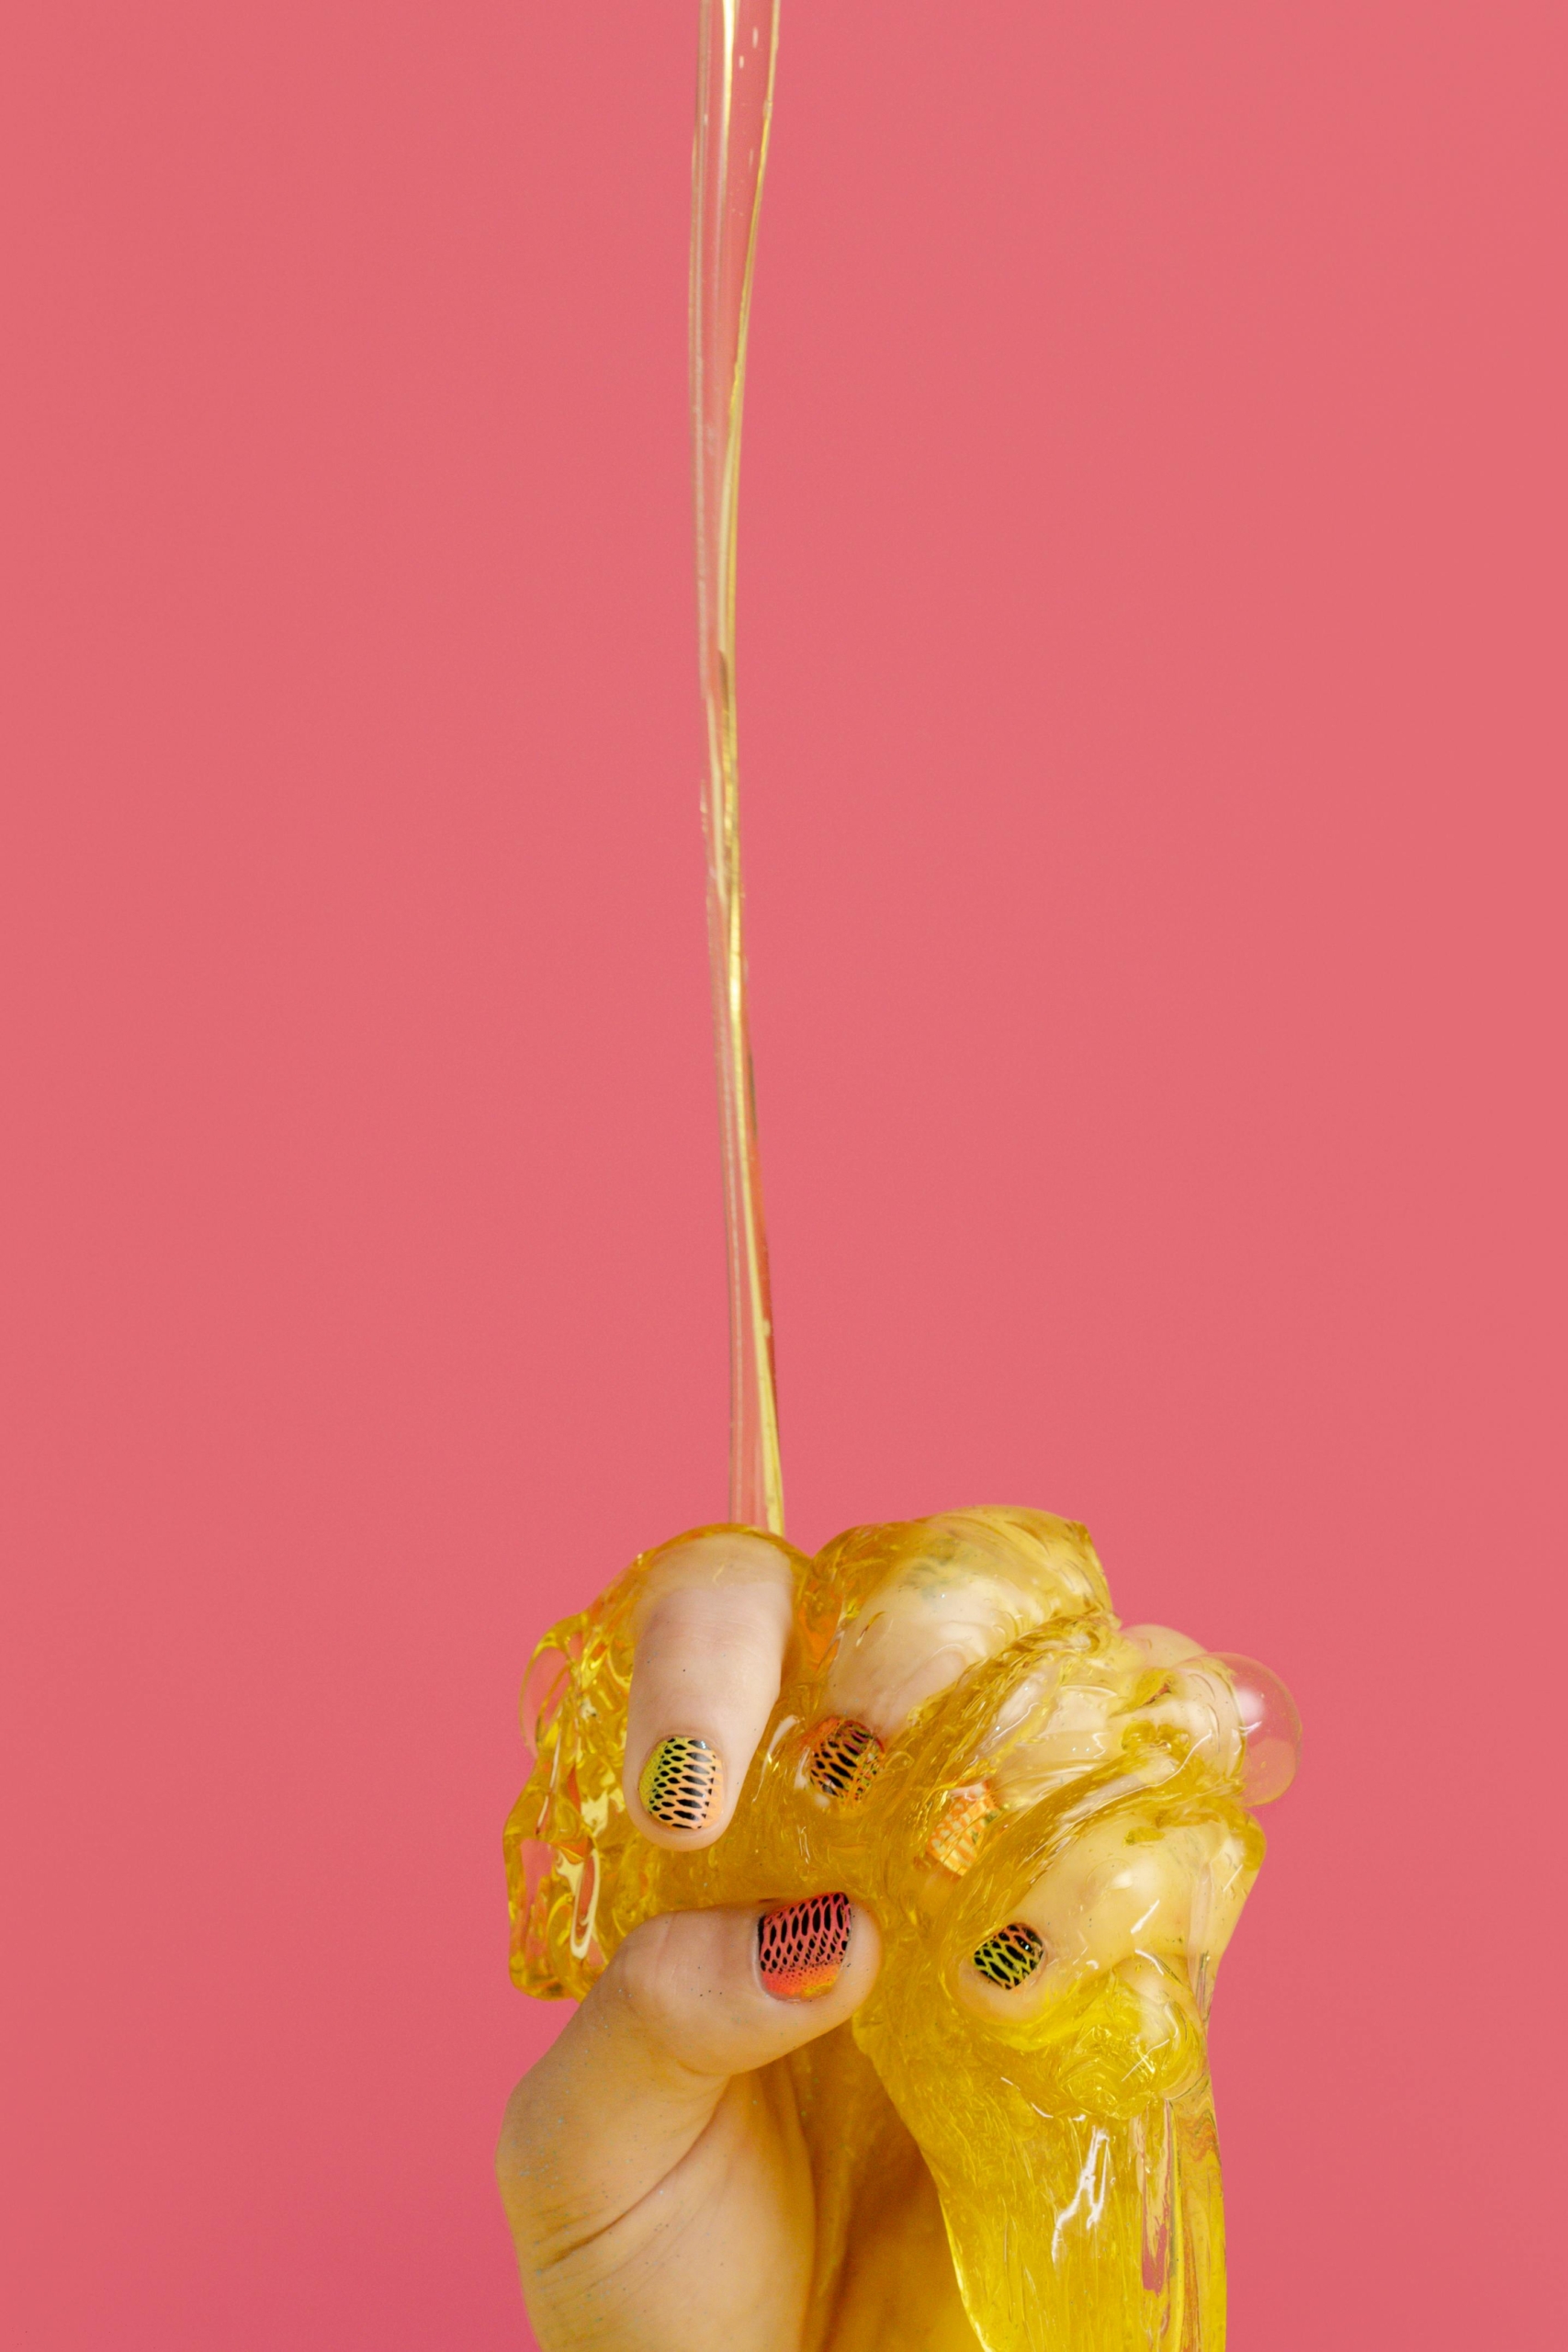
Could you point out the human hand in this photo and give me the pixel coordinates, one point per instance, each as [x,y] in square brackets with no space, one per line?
[706,2156]
[653,2164]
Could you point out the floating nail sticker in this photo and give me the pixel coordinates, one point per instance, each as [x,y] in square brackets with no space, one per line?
[955,1840]
[802,1946]
[682,1783]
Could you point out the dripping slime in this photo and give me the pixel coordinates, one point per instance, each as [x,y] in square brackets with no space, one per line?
[1056,1840]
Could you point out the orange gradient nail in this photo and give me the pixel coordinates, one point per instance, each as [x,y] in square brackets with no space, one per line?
[955,1840]
[845,1759]
[801,1946]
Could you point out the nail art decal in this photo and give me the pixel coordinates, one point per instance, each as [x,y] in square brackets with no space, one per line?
[682,1783]
[955,1840]
[845,1759]
[1011,1956]
[802,1946]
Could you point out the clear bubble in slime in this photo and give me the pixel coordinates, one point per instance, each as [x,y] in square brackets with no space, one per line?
[1048,1816]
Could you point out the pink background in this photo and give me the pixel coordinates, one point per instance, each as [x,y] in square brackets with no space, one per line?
[1151,643]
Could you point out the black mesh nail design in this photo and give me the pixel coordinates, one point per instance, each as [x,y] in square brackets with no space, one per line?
[1011,1956]
[845,1759]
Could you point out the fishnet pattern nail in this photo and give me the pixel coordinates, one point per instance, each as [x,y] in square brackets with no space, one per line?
[955,1840]
[1011,1956]
[845,1759]
[680,1783]
[801,1948]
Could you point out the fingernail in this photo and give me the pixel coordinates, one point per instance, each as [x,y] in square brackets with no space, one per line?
[801,1946]
[682,1784]
[1011,1956]
[845,1759]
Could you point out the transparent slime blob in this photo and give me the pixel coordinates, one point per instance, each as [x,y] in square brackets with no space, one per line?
[1046,1815]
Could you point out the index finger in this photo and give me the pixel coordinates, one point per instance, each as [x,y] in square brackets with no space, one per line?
[710,1633]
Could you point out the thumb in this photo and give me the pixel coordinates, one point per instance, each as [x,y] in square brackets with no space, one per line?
[689,2001]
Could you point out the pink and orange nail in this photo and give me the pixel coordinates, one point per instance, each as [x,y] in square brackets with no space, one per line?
[801,1947]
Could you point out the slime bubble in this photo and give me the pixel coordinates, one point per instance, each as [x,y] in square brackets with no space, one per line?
[1046,1815]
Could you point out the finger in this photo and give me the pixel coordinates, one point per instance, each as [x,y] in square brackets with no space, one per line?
[710,1635]
[967,1585]
[689,2002]
[1162,1645]
[1120,1894]
[960,1591]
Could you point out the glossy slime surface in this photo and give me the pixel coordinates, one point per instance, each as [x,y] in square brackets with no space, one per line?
[1056,1843]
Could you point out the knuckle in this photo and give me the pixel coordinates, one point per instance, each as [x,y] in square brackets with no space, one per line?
[646,1977]
[726,1566]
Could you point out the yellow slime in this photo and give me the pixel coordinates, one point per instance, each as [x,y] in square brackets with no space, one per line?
[1055,1845]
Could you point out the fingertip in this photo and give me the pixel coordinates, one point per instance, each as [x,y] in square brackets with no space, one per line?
[681,1789]
[725,1991]
[819,1947]
[864,1962]
[711,1634]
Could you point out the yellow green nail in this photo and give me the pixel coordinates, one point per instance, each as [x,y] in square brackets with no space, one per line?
[682,1784]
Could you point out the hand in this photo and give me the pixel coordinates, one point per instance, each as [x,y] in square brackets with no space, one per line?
[654,2165]
[706,2158]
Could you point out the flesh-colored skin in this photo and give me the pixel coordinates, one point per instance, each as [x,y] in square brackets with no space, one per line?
[655,2165]
[699,2164]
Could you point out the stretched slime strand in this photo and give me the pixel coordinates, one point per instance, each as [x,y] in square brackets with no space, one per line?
[738,42]
[1048,1814]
